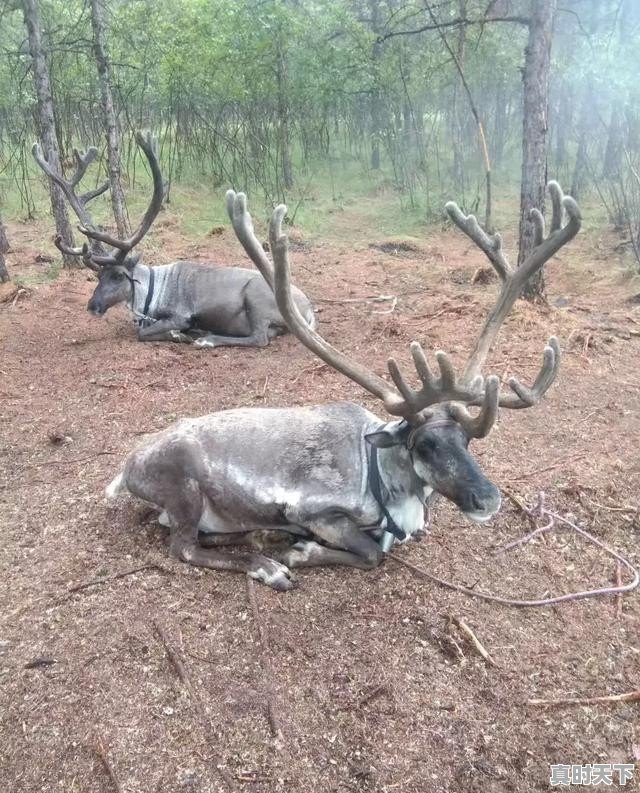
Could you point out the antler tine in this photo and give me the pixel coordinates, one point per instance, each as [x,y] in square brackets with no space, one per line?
[310,338]
[83,161]
[155,205]
[544,249]
[91,194]
[524,396]
[490,244]
[445,388]
[77,203]
[69,251]
[242,223]
[479,426]
[557,200]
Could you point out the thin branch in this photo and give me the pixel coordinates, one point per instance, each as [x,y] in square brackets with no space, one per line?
[459,21]
[122,574]
[630,696]
[470,635]
[540,511]
[180,667]
[265,663]
[108,766]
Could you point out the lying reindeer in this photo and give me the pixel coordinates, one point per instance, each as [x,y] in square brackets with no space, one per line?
[342,483]
[183,301]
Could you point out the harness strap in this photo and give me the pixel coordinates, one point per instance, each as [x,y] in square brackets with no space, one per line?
[147,302]
[376,489]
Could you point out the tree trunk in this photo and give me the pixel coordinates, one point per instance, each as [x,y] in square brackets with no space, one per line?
[4,248]
[615,143]
[46,121]
[534,131]
[579,178]
[377,113]
[283,119]
[110,123]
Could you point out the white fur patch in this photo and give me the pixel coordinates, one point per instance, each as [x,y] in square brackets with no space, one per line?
[116,487]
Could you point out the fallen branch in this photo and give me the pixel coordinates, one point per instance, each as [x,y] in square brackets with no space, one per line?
[630,696]
[111,771]
[66,462]
[618,582]
[180,667]
[470,635]
[365,299]
[265,663]
[122,574]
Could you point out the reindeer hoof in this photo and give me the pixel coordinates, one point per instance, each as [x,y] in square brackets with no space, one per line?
[176,335]
[204,342]
[273,574]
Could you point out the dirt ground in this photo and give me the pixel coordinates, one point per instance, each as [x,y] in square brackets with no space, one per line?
[372,686]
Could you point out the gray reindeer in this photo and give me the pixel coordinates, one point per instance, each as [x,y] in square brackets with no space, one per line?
[183,301]
[340,482]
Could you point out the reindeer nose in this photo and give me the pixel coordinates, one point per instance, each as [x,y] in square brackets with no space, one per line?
[94,307]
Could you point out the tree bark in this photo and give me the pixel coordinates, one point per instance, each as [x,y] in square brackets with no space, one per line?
[377,113]
[109,116]
[537,68]
[283,119]
[46,120]
[4,248]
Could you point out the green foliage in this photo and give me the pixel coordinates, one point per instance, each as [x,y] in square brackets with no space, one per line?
[233,88]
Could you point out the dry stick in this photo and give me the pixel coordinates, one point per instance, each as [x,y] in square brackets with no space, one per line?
[630,696]
[111,772]
[122,574]
[559,464]
[366,299]
[549,601]
[619,595]
[265,663]
[65,462]
[469,634]
[180,667]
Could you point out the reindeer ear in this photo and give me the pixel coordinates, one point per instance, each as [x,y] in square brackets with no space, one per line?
[131,261]
[390,435]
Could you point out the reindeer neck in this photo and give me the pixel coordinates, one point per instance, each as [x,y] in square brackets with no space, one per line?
[141,298]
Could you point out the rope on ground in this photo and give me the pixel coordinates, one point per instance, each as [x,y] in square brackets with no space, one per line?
[539,512]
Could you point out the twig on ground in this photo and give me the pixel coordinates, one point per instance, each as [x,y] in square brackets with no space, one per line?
[180,667]
[540,511]
[553,467]
[390,310]
[374,693]
[470,635]
[618,582]
[66,462]
[265,663]
[122,574]
[108,766]
[365,299]
[630,696]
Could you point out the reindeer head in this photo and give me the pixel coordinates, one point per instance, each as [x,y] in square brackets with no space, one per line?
[114,268]
[436,425]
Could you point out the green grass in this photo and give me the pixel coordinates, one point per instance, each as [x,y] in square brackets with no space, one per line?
[334,200]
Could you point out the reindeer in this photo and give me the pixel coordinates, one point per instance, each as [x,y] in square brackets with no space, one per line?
[342,484]
[183,301]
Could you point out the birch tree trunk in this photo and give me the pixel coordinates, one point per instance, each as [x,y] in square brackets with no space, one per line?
[46,120]
[109,116]
[4,247]
[537,67]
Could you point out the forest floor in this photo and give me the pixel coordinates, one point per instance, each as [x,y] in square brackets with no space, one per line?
[373,687]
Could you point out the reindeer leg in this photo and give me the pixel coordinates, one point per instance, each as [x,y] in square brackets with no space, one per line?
[350,546]
[168,329]
[259,338]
